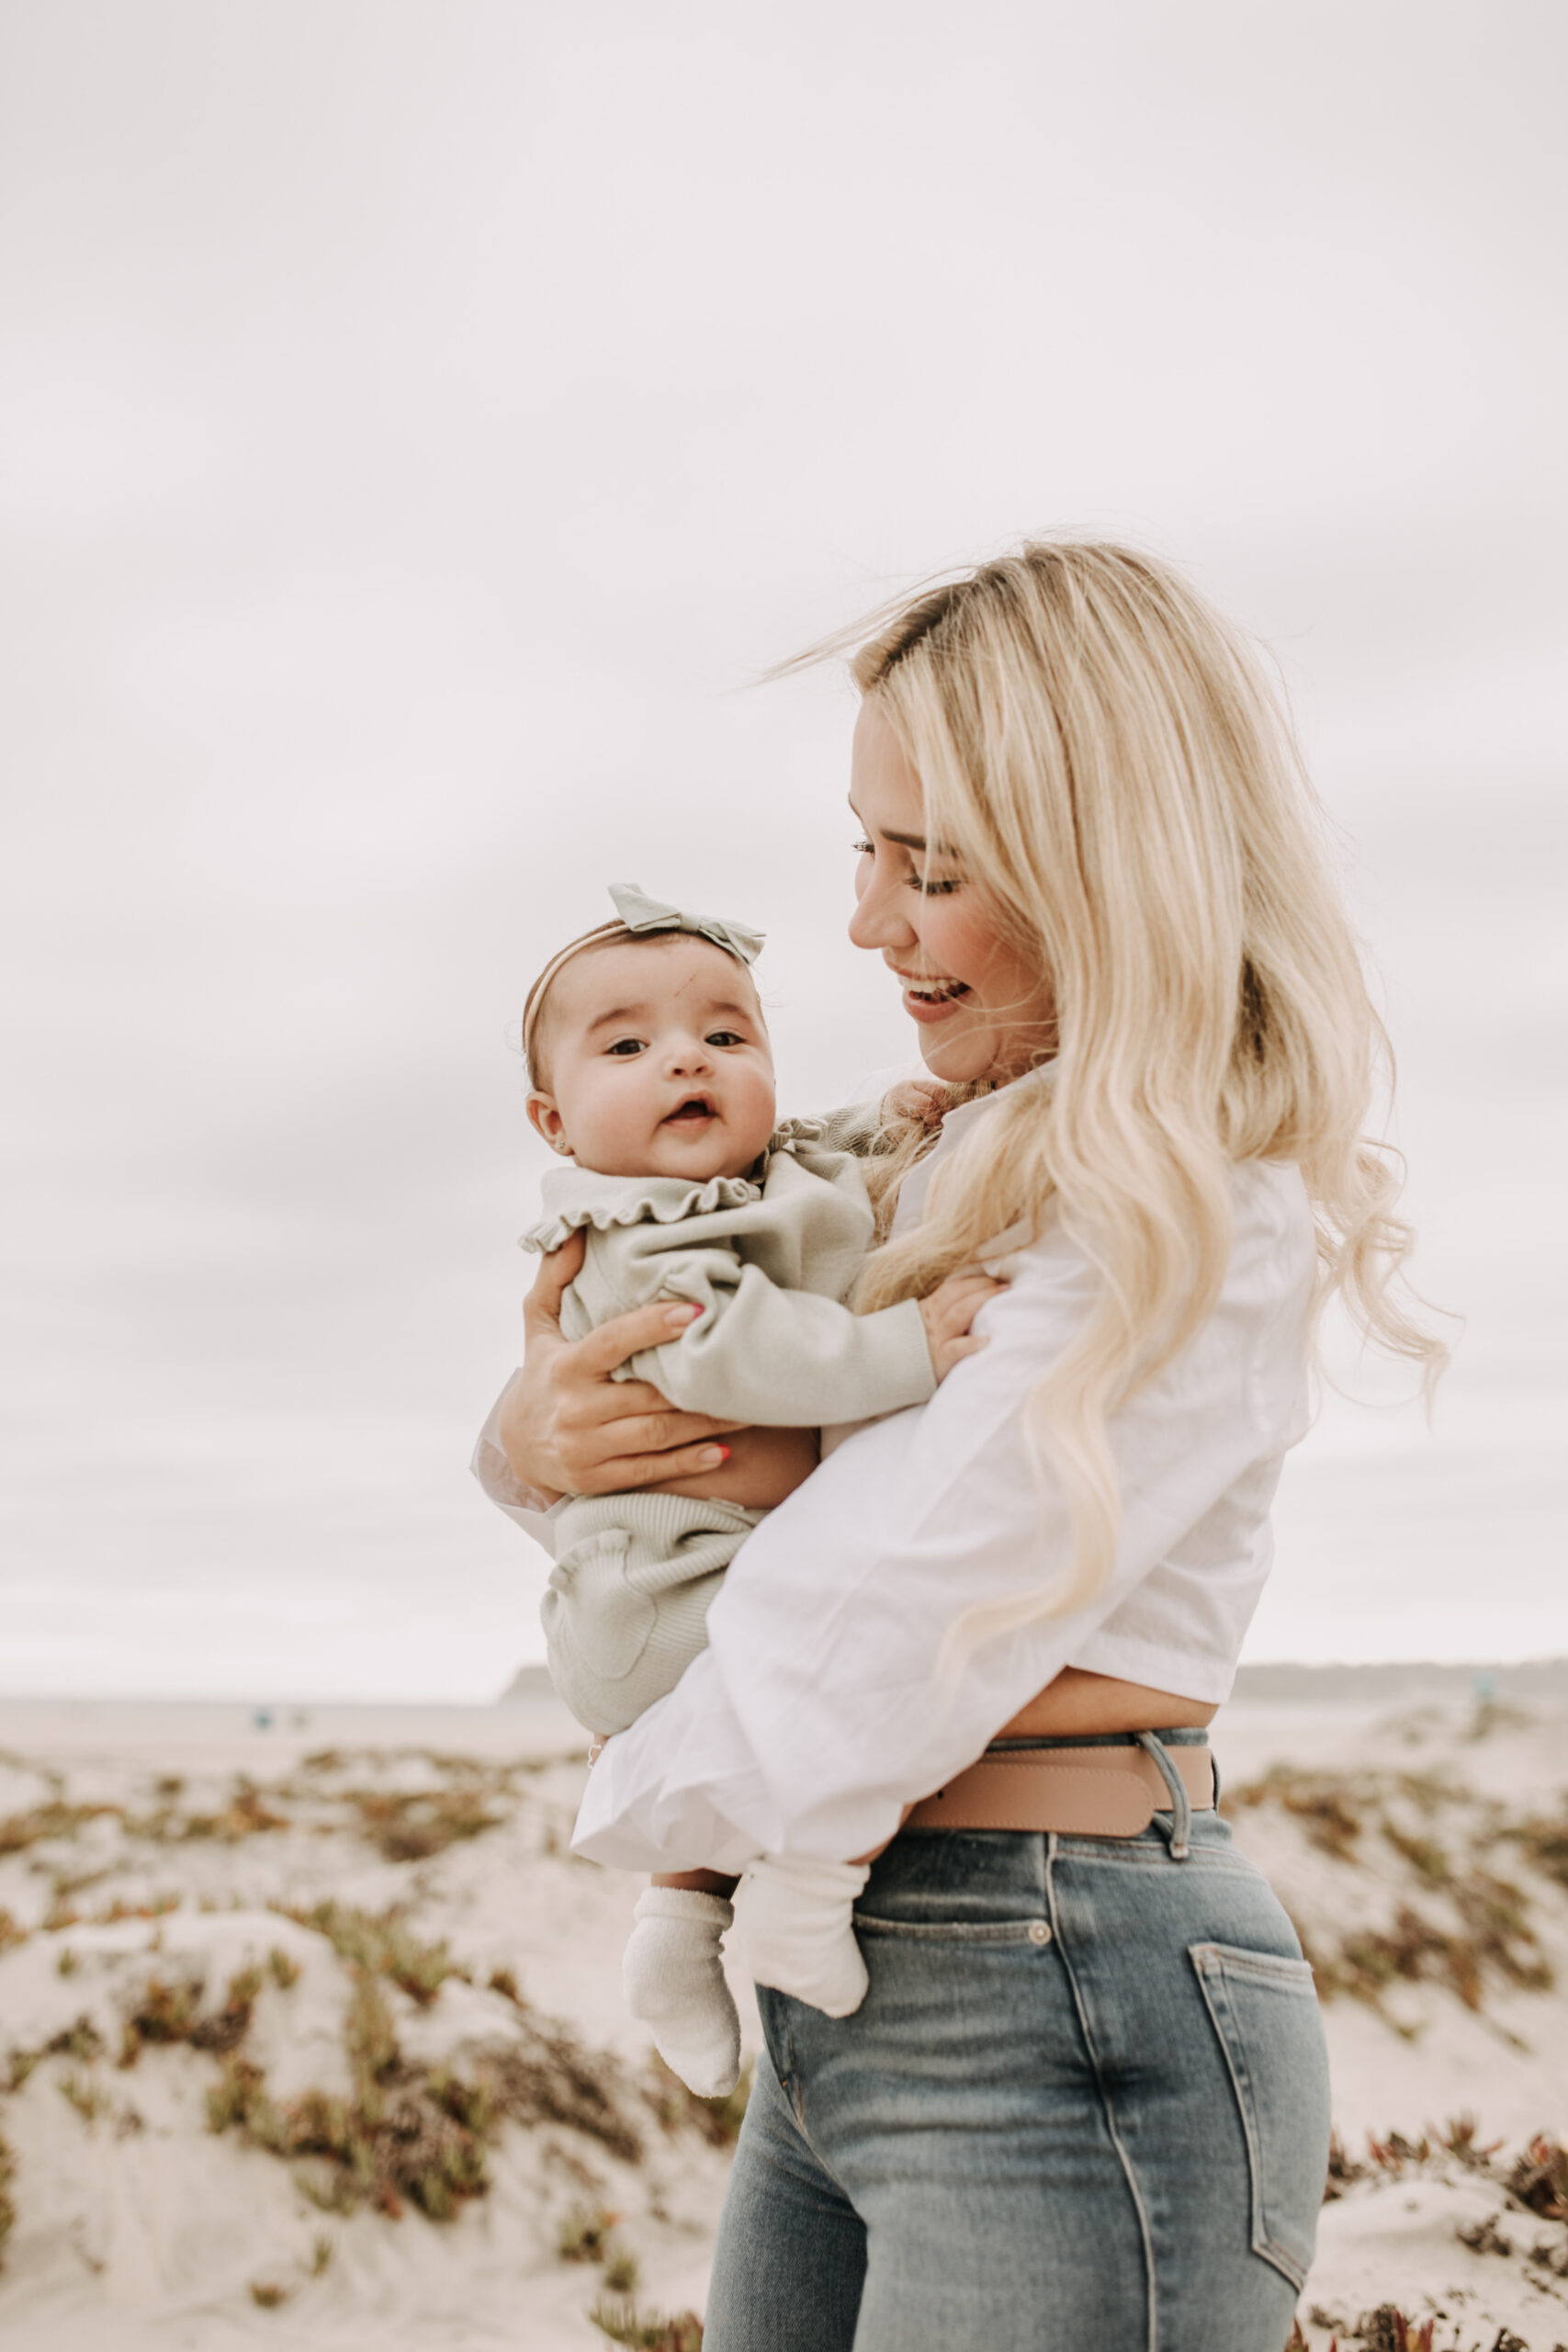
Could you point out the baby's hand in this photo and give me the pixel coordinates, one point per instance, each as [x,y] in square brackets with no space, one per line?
[925,1099]
[948,1312]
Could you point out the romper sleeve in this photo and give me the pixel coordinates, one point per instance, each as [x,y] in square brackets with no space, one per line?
[856,1128]
[789,1359]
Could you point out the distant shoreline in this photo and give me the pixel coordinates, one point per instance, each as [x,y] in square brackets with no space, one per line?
[1288,1684]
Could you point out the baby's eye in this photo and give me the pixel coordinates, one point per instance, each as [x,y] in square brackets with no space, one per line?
[625,1048]
[725,1037]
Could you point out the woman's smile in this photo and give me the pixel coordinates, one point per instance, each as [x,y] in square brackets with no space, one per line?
[984,1007]
[927,1000]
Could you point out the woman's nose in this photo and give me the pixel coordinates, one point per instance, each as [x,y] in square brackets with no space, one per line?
[880,920]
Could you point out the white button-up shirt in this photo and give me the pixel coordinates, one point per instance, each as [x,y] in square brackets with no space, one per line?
[819,1708]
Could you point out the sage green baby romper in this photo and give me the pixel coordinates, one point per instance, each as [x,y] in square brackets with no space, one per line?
[770,1259]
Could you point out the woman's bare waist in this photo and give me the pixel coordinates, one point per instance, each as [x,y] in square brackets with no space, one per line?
[1078,1703]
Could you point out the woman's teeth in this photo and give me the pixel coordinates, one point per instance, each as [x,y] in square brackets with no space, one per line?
[942,994]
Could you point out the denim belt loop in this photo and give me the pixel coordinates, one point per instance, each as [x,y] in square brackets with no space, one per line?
[1180,1803]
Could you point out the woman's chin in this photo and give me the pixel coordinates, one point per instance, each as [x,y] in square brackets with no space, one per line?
[957,1061]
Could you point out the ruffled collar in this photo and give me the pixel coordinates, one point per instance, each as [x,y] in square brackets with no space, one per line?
[577,1197]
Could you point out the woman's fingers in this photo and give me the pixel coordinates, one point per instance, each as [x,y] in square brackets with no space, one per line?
[627,1335]
[660,1431]
[567,1428]
[541,1308]
[634,1470]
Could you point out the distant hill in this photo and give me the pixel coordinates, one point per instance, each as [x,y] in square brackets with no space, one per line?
[1541,1680]
[528,1686]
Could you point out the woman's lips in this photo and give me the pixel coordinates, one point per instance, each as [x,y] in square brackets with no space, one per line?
[932,1000]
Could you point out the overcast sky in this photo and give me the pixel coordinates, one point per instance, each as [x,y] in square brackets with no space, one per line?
[419,424]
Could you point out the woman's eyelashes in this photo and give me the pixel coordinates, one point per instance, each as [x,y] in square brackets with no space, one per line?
[928,889]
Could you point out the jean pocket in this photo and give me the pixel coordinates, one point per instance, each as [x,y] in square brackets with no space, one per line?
[1265,2012]
[954,1931]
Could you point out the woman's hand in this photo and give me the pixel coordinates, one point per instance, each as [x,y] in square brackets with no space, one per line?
[948,1312]
[568,1428]
[925,1099]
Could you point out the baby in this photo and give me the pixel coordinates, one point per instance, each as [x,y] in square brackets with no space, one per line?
[651,1072]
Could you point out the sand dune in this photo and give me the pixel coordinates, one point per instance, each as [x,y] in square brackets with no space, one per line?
[310,2030]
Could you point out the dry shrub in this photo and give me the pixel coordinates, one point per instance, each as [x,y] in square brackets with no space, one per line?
[407,2134]
[54,1820]
[1413,1950]
[1545,1844]
[415,2133]
[1387,2330]
[247,1814]
[651,2331]
[1539,2178]
[550,2079]
[413,1828]
[166,2013]
[381,1943]
[1493,1934]
[719,2120]
[81,2040]
[7,2209]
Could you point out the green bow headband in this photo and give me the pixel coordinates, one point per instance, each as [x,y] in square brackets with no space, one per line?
[642,914]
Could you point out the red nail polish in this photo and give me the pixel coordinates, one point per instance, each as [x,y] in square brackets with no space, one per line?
[723,1454]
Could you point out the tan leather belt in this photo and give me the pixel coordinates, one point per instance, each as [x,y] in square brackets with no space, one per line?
[1080,1791]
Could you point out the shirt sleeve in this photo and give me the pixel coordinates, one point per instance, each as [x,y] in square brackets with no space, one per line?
[525,1506]
[822,1705]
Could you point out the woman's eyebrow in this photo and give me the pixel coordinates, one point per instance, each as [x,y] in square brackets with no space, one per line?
[905,841]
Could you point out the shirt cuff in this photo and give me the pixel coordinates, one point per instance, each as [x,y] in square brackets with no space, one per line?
[525,1506]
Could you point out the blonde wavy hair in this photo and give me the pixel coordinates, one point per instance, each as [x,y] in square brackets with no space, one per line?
[1104,758]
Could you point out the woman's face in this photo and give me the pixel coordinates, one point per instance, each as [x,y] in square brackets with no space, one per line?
[984,1010]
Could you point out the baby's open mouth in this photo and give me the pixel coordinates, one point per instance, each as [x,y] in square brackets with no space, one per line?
[686,1114]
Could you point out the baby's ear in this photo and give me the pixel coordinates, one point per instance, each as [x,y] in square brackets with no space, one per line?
[545,1118]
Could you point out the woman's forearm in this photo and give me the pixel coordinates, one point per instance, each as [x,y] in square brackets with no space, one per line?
[764,1465]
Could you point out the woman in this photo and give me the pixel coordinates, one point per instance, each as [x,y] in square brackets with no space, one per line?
[1085,2102]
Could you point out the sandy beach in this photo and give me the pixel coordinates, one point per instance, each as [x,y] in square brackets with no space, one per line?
[310,2028]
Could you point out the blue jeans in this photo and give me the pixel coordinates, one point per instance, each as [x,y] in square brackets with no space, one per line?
[1084,2107]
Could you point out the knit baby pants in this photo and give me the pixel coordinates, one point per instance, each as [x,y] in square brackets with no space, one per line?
[626,1607]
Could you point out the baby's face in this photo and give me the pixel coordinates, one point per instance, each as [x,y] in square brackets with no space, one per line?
[657,1062]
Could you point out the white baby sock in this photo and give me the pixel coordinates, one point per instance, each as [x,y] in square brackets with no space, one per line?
[796,1926]
[674,1982]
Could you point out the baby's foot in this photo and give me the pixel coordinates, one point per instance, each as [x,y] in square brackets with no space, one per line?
[798,1930]
[674,1982]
